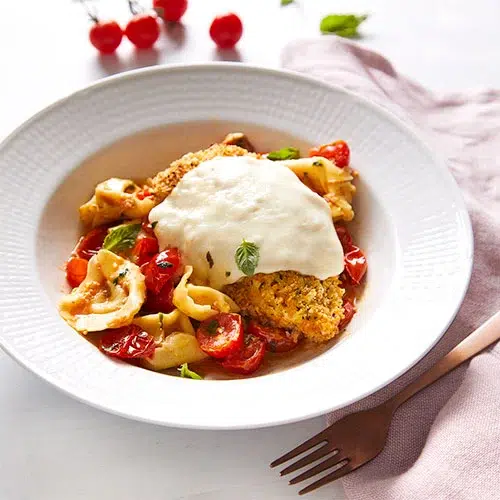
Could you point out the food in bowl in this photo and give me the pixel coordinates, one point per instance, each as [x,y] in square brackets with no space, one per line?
[228,255]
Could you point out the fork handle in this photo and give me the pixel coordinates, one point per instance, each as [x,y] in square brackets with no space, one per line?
[482,337]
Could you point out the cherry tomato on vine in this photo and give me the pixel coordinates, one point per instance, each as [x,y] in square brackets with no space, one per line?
[277,339]
[337,151]
[170,10]
[143,31]
[128,342]
[226,30]
[221,335]
[106,36]
[76,271]
[248,359]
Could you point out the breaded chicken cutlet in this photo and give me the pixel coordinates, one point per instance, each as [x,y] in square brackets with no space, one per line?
[287,299]
[164,182]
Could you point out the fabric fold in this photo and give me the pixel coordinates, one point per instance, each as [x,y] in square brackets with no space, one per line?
[445,442]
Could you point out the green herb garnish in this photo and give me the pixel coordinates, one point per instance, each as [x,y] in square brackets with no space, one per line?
[154,224]
[121,238]
[345,25]
[160,319]
[212,327]
[247,257]
[165,264]
[284,154]
[228,273]
[187,373]
[120,276]
[317,163]
[210,260]
[286,2]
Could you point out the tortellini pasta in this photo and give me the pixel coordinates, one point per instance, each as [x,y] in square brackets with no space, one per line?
[200,302]
[334,184]
[109,297]
[113,199]
[175,338]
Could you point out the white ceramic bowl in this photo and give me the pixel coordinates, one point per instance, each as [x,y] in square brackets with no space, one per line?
[411,221]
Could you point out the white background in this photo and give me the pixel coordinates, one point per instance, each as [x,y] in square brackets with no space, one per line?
[53,448]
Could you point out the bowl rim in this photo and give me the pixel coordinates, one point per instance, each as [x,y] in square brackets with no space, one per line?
[436,158]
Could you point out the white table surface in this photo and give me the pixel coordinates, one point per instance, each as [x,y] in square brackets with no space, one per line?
[54,448]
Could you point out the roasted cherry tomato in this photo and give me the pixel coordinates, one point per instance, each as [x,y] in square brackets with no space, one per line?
[337,151]
[248,359]
[226,30]
[91,243]
[143,31]
[106,36]
[145,193]
[221,335]
[127,342]
[145,249]
[76,270]
[170,10]
[355,264]
[162,268]
[349,310]
[277,339]
[344,237]
[161,302]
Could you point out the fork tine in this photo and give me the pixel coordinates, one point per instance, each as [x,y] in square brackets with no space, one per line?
[315,455]
[318,438]
[326,464]
[337,474]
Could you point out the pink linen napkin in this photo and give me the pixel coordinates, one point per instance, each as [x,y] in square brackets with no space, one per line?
[445,442]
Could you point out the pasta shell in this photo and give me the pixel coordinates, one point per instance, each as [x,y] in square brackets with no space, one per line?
[109,297]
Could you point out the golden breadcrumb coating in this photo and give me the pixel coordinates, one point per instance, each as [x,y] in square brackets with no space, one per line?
[287,299]
[164,182]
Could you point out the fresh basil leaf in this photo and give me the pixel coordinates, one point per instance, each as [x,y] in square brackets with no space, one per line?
[345,25]
[121,237]
[247,257]
[187,373]
[165,264]
[154,224]
[284,154]
[212,327]
[286,2]
[160,319]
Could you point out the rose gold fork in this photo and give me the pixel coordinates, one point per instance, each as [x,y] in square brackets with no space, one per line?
[358,438]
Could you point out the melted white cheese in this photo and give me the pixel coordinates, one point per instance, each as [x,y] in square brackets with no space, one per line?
[230,199]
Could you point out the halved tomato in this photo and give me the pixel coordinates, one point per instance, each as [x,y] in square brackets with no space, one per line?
[248,359]
[76,270]
[221,335]
[162,268]
[91,243]
[128,342]
[145,249]
[277,339]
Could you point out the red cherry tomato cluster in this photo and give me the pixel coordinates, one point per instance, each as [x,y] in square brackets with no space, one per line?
[355,269]
[337,151]
[143,29]
[224,338]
